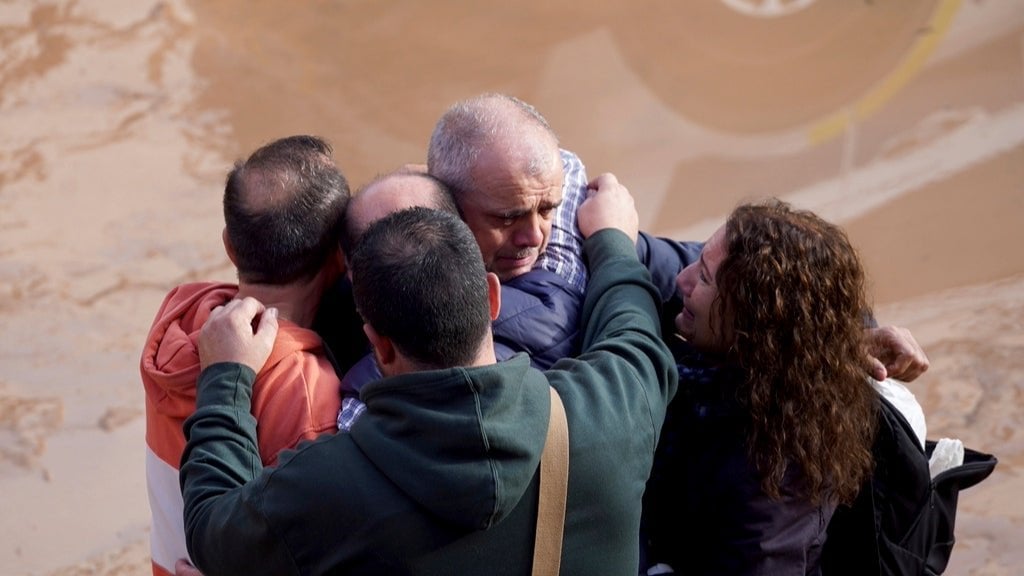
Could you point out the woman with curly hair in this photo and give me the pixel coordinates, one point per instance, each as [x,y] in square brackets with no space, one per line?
[774,420]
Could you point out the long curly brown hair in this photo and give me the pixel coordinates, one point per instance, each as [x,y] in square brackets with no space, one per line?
[793,290]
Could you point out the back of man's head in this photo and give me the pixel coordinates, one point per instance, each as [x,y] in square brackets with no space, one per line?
[419,280]
[283,208]
[490,123]
[388,193]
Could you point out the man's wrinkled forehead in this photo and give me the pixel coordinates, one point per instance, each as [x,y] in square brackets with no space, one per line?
[513,198]
[501,186]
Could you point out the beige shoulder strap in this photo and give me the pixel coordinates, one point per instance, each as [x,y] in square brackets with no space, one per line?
[554,477]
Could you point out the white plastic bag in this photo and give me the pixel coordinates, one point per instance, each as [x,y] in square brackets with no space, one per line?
[904,400]
[948,453]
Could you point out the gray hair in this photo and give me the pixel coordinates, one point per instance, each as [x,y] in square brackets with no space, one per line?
[470,126]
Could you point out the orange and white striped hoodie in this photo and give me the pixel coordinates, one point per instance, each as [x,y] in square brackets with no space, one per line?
[295,397]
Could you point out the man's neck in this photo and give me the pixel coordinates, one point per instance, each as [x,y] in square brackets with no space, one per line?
[295,302]
[403,365]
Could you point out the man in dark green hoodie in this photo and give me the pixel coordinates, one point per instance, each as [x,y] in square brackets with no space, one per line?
[440,475]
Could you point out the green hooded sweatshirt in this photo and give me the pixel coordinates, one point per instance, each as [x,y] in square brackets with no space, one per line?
[440,474]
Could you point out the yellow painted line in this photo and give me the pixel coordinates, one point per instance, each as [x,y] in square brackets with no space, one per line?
[835,124]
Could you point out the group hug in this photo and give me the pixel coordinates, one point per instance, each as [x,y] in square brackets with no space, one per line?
[480,365]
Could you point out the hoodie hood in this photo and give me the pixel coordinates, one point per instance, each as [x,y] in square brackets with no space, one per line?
[170,359]
[475,461]
[170,370]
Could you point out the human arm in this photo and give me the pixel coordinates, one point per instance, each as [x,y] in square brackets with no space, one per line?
[223,521]
[665,258]
[361,374]
[616,316]
[894,353]
[229,336]
[608,205]
[617,390]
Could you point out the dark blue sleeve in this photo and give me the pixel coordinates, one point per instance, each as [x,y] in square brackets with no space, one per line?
[664,259]
[361,373]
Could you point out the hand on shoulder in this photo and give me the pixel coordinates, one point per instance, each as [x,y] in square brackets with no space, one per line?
[241,331]
[608,205]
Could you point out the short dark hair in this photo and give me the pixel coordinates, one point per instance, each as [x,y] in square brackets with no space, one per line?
[441,199]
[283,208]
[419,280]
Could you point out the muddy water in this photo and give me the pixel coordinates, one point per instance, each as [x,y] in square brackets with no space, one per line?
[119,119]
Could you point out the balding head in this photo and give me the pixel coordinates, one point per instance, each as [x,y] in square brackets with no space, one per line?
[407,187]
[282,211]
